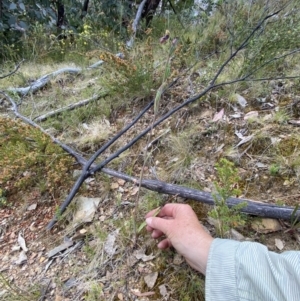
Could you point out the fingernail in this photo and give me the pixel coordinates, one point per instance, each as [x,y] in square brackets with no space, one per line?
[149,221]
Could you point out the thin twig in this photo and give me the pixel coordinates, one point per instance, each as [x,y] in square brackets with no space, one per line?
[243,45]
[32,123]
[69,107]
[14,71]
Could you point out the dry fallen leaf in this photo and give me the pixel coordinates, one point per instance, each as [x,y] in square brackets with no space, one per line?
[218,116]
[32,207]
[114,186]
[150,279]
[241,100]
[134,191]
[140,254]
[22,258]
[163,290]
[294,122]
[279,244]
[245,140]
[121,182]
[251,114]
[22,243]
[109,246]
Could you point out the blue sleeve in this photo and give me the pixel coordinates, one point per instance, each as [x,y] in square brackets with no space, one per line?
[247,271]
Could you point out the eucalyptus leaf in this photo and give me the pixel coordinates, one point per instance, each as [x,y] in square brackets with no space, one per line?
[22,6]
[12,6]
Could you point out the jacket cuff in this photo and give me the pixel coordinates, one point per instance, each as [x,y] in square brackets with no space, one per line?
[221,278]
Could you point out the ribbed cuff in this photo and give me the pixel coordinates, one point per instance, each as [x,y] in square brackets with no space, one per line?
[221,282]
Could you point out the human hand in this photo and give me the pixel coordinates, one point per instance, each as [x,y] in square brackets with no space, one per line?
[182,230]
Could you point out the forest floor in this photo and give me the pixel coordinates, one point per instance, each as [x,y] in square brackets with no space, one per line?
[100,256]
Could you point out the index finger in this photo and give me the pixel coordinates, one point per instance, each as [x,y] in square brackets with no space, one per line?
[169,210]
[154,212]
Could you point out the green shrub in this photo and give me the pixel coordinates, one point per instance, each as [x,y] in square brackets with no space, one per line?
[28,158]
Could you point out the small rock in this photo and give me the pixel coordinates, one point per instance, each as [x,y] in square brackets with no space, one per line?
[32,207]
[163,290]
[150,279]
[76,173]
[236,235]
[266,225]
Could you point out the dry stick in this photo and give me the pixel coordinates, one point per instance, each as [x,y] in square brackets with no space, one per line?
[69,107]
[253,208]
[85,171]
[14,71]
[42,81]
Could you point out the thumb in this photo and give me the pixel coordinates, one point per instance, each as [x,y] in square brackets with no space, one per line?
[158,223]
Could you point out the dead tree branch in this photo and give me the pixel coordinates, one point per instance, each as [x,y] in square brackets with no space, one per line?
[211,86]
[69,107]
[252,208]
[41,82]
[135,23]
[85,171]
[90,168]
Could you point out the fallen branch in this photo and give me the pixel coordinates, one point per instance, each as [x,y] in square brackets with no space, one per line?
[68,108]
[253,207]
[87,164]
[150,184]
[41,82]
[87,172]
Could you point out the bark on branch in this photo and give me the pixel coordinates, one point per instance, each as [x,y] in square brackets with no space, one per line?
[253,207]
[135,23]
[41,82]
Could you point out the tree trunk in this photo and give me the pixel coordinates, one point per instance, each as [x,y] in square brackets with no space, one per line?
[149,10]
